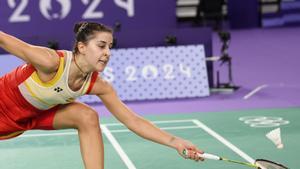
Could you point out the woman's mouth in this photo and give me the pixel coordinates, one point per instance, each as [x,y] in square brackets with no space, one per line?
[103,61]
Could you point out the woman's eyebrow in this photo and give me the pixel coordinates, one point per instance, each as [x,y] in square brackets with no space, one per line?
[102,41]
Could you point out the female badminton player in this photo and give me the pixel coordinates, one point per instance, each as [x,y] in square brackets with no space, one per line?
[41,94]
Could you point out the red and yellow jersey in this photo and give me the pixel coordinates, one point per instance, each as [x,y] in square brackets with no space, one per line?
[30,95]
[45,95]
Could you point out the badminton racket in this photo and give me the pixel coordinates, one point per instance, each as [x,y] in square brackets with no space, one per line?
[259,163]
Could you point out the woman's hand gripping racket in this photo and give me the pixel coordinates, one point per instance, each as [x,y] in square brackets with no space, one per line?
[259,163]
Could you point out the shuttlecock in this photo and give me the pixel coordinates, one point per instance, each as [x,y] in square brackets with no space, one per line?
[275,137]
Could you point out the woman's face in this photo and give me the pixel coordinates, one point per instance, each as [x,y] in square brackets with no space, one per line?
[97,51]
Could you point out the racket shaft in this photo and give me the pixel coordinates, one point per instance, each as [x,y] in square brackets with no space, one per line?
[239,162]
[215,157]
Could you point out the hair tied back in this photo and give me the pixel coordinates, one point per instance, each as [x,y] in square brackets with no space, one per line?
[82,27]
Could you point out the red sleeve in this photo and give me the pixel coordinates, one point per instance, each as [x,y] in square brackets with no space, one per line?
[93,80]
[60,53]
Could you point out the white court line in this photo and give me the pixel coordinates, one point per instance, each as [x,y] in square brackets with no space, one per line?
[247,96]
[49,134]
[110,124]
[224,141]
[156,122]
[117,146]
[163,128]
[112,131]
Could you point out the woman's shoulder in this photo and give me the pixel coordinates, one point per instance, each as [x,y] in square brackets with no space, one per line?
[101,85]
[63,53]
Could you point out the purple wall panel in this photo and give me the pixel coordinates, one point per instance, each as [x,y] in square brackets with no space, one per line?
[143,23]
[44,20]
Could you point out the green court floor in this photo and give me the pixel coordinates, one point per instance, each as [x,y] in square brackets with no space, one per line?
[225,134]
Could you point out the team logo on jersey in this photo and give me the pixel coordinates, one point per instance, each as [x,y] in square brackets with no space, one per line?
[46,8]
[58,89]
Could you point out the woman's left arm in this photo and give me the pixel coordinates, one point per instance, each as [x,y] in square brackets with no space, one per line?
[139,125]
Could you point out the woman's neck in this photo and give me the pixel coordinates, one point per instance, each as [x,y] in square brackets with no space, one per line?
[78,66]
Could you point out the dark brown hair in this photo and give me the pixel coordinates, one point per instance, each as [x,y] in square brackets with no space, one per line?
[84,31]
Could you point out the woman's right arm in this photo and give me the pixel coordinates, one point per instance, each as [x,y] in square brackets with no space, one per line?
[42,58]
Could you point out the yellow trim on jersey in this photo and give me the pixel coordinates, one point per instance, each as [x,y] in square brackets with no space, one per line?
[70,100]
[86,85]
[14,134]
[34,95]
[57,76]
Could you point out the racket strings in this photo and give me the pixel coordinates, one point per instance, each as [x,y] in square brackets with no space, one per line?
[266,164]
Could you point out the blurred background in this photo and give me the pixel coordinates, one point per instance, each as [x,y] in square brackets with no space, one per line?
[248,46]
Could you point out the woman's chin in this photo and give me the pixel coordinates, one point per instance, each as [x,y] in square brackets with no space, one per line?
[100,68]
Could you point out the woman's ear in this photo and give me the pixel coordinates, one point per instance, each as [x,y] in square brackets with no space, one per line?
[81,47]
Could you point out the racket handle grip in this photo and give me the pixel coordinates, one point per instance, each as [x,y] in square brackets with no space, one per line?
[209,156]
[204,155]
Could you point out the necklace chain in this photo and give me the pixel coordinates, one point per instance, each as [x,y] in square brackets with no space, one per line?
[78,66]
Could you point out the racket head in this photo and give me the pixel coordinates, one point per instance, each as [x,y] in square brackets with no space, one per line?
[267,164]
